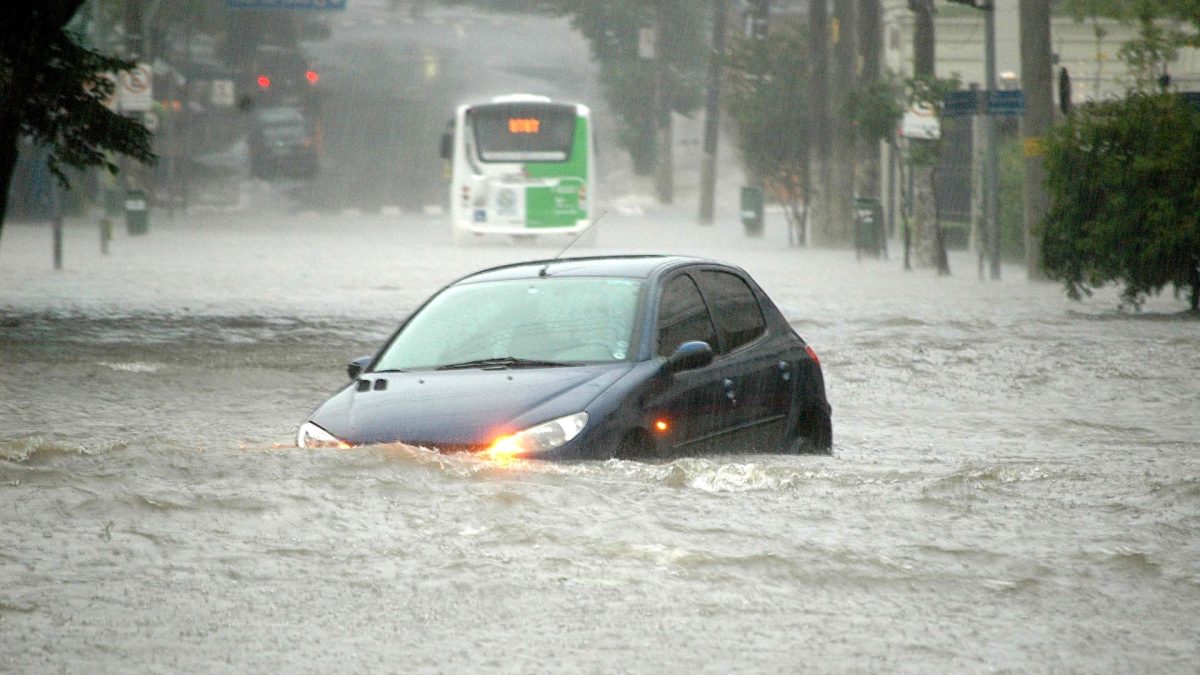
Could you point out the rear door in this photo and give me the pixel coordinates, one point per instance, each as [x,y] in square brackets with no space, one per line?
[692,402]
[755,373]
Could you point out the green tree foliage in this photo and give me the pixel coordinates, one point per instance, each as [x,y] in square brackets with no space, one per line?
[52,90]
[767,86]
[1125,200]
[1161,32]
[875,109]
[612,30]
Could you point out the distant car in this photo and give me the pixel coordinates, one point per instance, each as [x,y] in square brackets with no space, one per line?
[282,141]
[278,75]
[587,358]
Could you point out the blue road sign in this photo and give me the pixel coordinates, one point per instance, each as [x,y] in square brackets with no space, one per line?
[960,103]
[287,4]
[1006,102]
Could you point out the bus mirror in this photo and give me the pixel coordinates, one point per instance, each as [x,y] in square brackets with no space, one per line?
[447,144]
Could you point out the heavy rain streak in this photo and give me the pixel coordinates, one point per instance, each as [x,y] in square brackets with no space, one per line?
[1014,483]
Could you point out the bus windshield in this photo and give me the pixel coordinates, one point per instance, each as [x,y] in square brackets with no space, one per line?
[523,132]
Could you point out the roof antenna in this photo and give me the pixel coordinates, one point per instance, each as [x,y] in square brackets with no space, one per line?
[542,272]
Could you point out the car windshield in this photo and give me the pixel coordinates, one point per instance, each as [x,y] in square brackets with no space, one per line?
[539,322]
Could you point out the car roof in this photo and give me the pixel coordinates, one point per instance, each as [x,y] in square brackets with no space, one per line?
[625,266]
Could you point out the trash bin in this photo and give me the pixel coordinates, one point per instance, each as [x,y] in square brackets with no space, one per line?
[868,224]
[137,212]
[752,210]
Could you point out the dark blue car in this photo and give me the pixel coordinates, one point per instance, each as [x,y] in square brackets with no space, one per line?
[623,356]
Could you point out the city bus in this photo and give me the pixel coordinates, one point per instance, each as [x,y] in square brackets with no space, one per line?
[520,165]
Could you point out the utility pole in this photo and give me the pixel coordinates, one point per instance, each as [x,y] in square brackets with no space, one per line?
[712,114]
[1037,77]
[664,171]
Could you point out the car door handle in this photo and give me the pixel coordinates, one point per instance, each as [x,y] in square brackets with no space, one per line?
[729,392]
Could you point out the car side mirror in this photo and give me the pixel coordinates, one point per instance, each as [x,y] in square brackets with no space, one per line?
[355,367]
[447,145]
[690,355]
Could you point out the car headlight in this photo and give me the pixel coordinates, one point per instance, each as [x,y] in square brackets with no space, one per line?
[540,438]
[313,436]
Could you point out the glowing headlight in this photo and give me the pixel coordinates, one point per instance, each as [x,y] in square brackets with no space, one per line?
[313,436]
[543,437]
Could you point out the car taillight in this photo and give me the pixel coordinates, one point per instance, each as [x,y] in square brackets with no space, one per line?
[264,82]
[812,354]
[312,76]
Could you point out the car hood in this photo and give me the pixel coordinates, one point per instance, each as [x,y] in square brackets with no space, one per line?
[460,407]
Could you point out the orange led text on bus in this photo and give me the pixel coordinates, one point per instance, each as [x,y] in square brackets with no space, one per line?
[523,125]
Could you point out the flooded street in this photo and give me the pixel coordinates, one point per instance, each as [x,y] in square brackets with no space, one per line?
[1014,484]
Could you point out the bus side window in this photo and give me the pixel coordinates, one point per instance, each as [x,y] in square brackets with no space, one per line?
[448,140]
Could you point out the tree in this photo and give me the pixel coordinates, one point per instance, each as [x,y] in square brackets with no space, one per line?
[767,99]
[53,91]
[1124,201]
[612,29]
[1149,54]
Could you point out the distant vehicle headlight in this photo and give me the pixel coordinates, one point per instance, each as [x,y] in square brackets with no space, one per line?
[313,436]
[543,437]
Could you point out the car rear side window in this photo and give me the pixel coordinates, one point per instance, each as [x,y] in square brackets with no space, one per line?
[738,315]
[682,316]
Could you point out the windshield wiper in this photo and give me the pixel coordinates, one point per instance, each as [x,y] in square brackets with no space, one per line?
[502,362]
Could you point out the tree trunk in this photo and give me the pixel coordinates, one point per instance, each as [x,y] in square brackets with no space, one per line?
[1037,77]
[870,48]
[10,129]
[1196,285]
[818,110]
[927,230]
[841,188]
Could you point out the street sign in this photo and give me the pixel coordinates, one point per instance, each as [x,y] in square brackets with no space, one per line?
[221,93]
[337,5]
[1006,102]
[135,91]
[920,122]
[647,43]
[959,103]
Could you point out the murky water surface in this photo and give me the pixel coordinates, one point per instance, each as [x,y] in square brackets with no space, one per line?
[1014,483]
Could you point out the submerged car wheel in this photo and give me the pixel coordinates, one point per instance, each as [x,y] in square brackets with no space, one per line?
[636,445]
[814,432]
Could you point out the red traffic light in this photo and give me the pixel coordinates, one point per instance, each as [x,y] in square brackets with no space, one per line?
[312,76]
[264,82]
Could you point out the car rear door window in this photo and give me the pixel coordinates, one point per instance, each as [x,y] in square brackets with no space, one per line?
[738,316]
[682,316]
